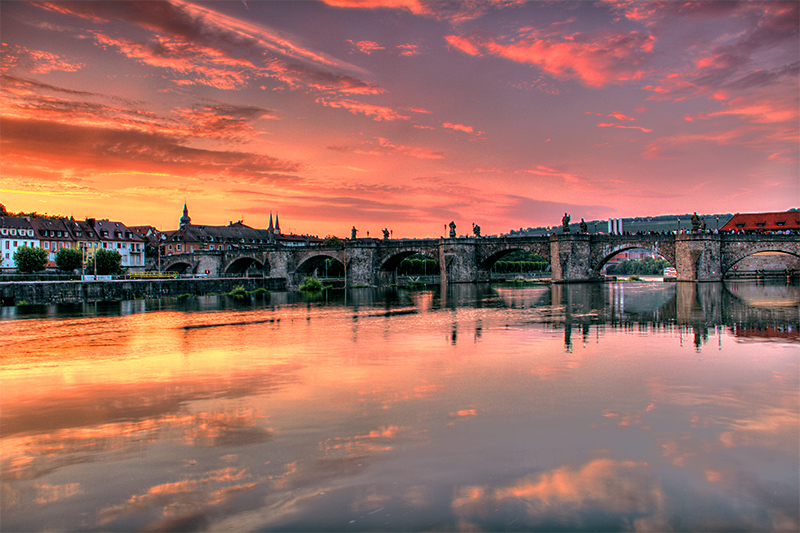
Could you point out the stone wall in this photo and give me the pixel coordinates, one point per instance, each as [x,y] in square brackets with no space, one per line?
[50,292]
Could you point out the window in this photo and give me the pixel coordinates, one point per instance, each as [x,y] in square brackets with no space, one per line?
[13,231]
[760,224]
[740,225]
[46,244]
[780,223]
[178,247]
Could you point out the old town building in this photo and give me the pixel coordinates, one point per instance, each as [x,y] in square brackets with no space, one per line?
[236,235]
[117,237]
[15,232]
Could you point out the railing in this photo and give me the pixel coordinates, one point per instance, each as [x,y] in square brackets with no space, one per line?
[152,275]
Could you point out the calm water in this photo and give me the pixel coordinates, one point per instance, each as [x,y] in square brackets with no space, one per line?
[629,406]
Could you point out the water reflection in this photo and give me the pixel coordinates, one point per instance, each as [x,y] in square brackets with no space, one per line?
[643,406]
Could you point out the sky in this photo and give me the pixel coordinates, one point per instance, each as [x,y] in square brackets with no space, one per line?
[398,114]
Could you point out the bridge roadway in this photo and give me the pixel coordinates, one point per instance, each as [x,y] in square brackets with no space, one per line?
[574,257]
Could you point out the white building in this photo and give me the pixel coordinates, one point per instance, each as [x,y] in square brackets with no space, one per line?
[15,232]
[119,238]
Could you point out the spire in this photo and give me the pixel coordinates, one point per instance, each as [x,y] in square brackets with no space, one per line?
[277,225]
[270,228]
[185,219]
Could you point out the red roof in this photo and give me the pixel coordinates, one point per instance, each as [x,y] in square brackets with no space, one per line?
[763,221]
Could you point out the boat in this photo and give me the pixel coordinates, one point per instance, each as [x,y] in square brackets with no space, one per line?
[670,274]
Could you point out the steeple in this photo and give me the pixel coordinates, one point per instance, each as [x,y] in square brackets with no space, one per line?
[270,228]
[277,225]
[185,219]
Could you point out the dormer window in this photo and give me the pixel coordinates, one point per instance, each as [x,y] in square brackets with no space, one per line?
[780,223]
[13,231]
[760,224]
[740,225]
[105,234]
[77,233]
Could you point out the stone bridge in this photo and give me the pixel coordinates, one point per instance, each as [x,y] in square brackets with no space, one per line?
[574,257]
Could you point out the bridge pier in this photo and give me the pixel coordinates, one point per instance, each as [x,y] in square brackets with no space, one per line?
[570,258]
[698,257]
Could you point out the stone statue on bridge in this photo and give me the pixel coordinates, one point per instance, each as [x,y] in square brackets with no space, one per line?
[385,234]
[702,224]
[695,223]
[353,233]
[584,227]
[476,229]
[565,222]
[452,230]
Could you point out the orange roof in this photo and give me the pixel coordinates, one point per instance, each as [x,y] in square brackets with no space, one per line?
[763,221]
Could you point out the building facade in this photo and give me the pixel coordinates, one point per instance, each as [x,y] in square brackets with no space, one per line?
[115,236]
[15,232]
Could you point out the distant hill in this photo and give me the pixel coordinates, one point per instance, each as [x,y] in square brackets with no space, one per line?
[634,224]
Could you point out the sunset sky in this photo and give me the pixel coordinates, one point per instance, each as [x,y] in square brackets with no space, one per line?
[404,114]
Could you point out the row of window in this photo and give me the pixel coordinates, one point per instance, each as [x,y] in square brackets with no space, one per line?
[13,231]
[134,247]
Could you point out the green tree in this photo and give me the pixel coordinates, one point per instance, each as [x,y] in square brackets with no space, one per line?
[30,259]
[108,262]
[332,240]
[69,259]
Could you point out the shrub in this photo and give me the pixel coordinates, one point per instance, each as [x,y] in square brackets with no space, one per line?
[311,285]
[69,259]
[239,292]
[30,259]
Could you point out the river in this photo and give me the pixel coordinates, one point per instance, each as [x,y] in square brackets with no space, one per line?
[620,406]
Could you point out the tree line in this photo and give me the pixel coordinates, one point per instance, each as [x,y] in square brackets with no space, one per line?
[30,260]
[648,266]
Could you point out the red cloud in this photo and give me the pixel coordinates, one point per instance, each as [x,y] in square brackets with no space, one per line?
[596,62]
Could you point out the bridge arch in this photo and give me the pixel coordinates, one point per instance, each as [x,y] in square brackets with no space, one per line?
[241,265]
[603,249]
[391,262]
[488,262]
[732,262]
[314,262]
[181,266]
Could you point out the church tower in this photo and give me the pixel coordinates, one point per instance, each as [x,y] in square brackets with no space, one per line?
[270,229]
[185,219]
[277,225]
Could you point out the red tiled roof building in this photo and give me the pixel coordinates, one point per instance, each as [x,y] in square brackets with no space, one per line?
[763,222]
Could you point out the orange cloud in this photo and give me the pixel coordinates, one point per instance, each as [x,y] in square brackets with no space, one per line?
[365,47]
[564,494]
[596,62]
[378,113]
[461,127]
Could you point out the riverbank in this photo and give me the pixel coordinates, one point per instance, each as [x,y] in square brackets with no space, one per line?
[58,292]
